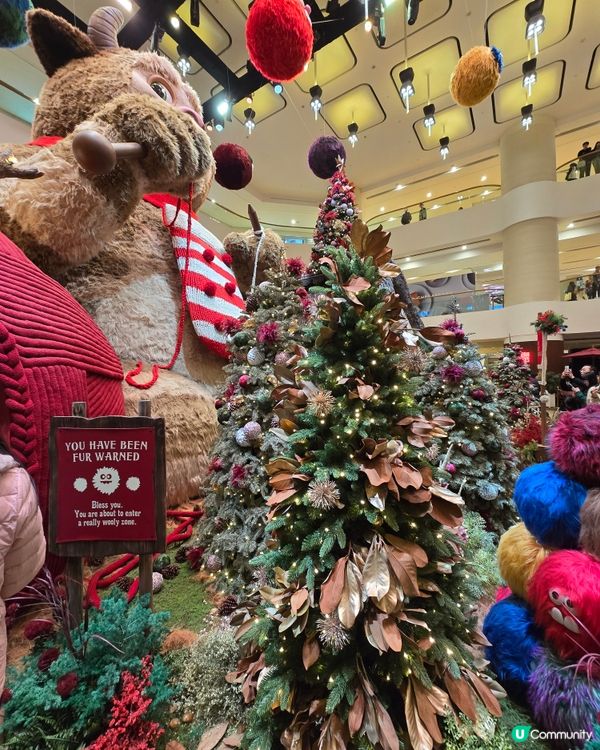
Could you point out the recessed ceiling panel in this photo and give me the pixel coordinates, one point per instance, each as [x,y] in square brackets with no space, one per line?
[328,64]
[509,97]
[593,80]
[506,28]
[359,104]
[16,105]
[429,13]
[433,65]
[210,31]
[455,122]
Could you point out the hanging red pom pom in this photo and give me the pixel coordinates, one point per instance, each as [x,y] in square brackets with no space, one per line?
[209,255]
[234,166]
[279,38]
[230,287]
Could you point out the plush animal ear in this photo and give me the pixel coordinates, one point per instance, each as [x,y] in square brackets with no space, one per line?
[55,41]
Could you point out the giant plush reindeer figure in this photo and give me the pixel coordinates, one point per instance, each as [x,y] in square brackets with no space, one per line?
[117,232]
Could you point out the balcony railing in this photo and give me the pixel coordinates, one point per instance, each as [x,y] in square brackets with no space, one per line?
[476,301]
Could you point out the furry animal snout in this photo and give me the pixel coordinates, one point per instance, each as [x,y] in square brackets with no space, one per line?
[193,114]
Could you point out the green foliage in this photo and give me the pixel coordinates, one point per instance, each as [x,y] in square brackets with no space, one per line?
[480,551]
[117,638]
[198,678]
[481,450]
[233,526]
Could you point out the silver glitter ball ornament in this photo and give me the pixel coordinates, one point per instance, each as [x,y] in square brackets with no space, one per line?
[255,356]
[241,438]
[252,430]
[438,352]
[157,582]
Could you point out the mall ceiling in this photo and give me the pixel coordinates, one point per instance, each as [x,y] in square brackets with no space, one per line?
[360,82]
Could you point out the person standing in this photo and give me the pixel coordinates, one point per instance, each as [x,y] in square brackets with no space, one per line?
[588,377]
[596,157]
[585,160]
[422,212]
[570,294]
[596,281]
[573,173]
[406,217]
[580,287]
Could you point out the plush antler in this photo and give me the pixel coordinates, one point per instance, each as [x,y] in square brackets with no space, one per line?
[9,168]
[104,26]
[254,221]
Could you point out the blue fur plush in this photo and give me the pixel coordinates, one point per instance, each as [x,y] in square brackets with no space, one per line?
[549,503]
[13,32]
[509,626]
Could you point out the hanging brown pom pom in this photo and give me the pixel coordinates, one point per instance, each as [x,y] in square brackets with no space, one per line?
[476,75]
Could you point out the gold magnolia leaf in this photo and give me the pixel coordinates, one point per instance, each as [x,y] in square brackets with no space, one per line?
[376,574]
[350,603]
[298,599]
[331,590]
[333,734]
[374,632]
[427,712]
[486,695]
[365,392]
[358,234]
[234,740]
[446,494]
[376,495]
[420,738]
[212,737]
[310,652]
[390,601]
[392,634]
[461,695]
[405,570]
[387,733]
[414,550]
[354,286]
[357,712]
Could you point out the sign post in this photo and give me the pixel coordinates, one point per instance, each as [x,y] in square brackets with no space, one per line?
[107,493]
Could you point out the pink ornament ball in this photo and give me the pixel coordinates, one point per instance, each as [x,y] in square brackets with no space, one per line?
[450,468]
[244,381]
[279,38]
[565,595]
[323,156]
[234,166]
[575,444]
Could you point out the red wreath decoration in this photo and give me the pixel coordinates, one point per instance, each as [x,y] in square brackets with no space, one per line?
[234,166]
[279,38]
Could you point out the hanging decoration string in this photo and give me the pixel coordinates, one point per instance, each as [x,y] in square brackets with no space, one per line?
[261,240]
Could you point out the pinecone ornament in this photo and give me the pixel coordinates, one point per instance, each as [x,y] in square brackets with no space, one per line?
[219,524]
[125,583]
[181,555]
[213,563]
[170,571]
[251,303]
[228,606]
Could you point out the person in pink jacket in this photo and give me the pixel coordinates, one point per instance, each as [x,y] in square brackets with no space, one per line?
[22,541]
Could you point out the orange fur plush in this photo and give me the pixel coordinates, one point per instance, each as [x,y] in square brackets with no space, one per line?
[96,235]
[476,75]
[519,555]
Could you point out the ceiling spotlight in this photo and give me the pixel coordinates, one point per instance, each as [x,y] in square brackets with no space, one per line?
[219,124]
[483,177]
[174,22]
[527,116]
[407,77]
[36,100]
[353,131]
[278,88]
[183,63]
[571,226]
[429,120]
[535,20]
[444,147]
[399,187]
[529,74]
[195,13]
[412,11]
[223,107]
[249,123]
[429,195]
[209,126]
[453,169]
[250,99]
[316,92]
[368,25]
[126,4]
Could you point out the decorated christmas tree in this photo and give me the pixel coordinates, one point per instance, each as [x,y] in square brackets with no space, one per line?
[336,215]
[363,638]
[480,459]
[516,386]
[233,528]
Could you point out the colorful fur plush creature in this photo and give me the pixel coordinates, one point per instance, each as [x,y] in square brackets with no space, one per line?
[108,246]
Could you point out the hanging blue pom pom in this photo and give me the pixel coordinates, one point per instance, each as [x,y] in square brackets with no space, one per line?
[498,58]
[13,31]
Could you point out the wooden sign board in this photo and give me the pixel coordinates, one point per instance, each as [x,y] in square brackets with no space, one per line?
[107,486]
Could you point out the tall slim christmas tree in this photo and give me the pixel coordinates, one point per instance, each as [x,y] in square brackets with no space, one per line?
[336,215]
[515,385]
[233,528]
[480,459]
[363,639]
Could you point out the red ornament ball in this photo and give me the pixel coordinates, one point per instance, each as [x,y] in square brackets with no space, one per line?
[234,166]
[279,38]
[244,381]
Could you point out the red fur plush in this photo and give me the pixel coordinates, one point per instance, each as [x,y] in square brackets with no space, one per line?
[279,38]
[565,595]
[575,444]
